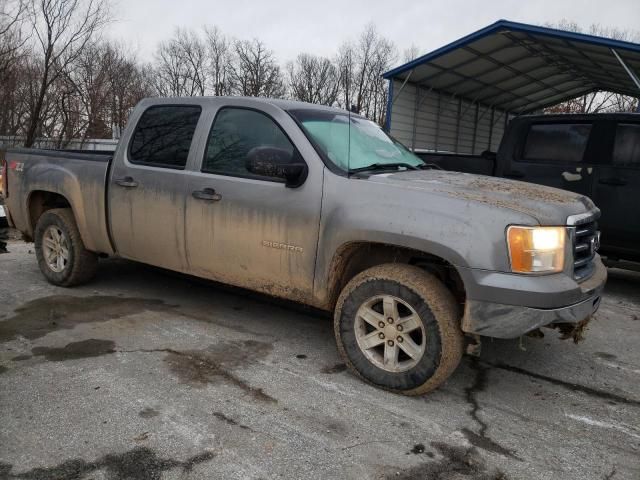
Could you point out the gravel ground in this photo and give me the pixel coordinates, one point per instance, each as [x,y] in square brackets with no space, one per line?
[148,375]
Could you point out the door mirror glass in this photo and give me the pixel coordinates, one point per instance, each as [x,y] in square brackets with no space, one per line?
[277,163]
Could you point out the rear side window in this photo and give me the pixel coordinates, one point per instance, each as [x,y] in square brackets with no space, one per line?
[626,149]
[163,136]
[235,133]
[557,142]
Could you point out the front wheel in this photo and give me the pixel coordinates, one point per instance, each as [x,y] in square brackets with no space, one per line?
[397,327]
[61,255]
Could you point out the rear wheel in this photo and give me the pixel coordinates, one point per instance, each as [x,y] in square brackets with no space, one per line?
[61,255]
[397,327]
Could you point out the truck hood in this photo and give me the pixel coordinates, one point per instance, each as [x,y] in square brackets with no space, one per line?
[549,206]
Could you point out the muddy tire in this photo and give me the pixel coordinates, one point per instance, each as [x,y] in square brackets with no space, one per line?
[398,328]
[61,255]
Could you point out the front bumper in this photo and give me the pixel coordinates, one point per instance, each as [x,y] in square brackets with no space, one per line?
[500,320]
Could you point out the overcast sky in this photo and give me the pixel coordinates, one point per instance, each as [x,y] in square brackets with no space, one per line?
[289,27]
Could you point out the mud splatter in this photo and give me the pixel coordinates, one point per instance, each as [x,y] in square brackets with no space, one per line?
[456,462]
[201,367]
[337,368]
[148,412]
[481,439]
[92,347]
[39,317]
[141,463]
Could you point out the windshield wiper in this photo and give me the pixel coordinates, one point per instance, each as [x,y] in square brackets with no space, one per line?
[384,166]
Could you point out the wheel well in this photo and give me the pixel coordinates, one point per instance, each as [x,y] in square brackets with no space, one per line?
[40,201]
[356,257]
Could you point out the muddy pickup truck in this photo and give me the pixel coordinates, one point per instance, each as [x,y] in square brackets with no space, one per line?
[319,206]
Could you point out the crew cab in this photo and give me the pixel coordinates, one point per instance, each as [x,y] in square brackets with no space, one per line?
[596,155]
[318,205]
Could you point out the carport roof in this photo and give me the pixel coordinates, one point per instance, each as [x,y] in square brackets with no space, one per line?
[520,68]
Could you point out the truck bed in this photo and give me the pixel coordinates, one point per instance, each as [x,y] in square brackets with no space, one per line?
[76,175]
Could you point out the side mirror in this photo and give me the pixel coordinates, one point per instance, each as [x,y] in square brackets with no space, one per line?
[278,163]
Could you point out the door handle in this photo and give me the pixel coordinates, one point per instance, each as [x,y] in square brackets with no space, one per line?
[612,181]
[514,174]
[208,194]
[126,182]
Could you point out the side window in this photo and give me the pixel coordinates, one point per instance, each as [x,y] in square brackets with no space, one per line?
[235,138]
[163,136]
[626,148]
[557,142]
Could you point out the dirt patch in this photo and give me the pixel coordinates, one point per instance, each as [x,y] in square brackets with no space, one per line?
[148,412]
[141,463]
[456,462]
[417,449]
[337,368]
[39,317]
[605,356]
[20,358]
[199,368]
[229,421]
[92,347]
[3,369]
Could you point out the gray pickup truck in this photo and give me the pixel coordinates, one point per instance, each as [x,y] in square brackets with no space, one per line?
[319,206]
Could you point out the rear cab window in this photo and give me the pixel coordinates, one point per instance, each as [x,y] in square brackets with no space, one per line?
[163,135]
[556,142]
[626,146]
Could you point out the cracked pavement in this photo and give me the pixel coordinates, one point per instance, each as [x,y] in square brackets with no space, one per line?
[146,375]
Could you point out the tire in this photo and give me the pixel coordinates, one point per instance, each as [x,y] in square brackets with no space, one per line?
[425,309]
[80,264]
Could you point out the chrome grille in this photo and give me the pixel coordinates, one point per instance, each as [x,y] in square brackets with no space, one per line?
[586,240]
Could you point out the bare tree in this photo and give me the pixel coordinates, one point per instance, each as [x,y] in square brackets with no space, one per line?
[219,57]
[410,53]
[12,14]
[313,79]
[597,102]
[12,53]
[255,72]
[181,65]
[360,66]
[129,84]
[63,29]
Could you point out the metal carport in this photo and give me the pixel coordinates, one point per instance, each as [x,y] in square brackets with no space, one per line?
[459,98]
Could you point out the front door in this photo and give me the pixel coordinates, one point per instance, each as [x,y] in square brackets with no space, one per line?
[248,230]
[617,194]
[555,154]
[147,185]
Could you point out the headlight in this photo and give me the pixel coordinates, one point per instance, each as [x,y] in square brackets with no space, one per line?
[536,249]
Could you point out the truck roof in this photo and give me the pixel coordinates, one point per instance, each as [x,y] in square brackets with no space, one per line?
[280,103]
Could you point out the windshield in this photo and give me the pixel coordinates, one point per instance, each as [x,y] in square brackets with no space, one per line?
[354,143]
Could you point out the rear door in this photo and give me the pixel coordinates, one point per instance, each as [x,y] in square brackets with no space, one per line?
[617,193]
[556,154]
[146,190]
[247,230]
